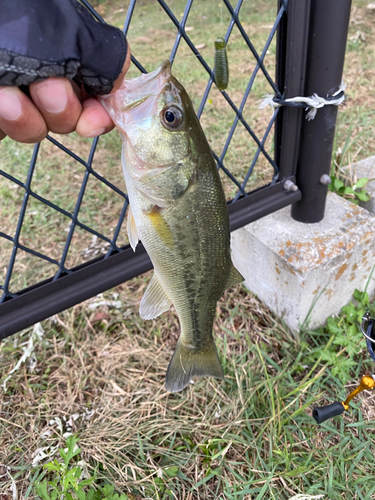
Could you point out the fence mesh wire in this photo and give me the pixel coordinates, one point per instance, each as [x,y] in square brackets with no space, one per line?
[63,202]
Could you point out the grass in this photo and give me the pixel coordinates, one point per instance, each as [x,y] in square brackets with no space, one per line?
[97,371]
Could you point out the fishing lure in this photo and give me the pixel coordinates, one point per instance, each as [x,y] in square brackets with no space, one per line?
[367,381]
[221,64]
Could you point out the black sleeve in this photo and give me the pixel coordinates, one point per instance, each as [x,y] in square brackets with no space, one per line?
[42,38]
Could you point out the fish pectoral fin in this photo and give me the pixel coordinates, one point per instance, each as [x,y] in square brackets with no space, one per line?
[154,301]
[234,277]
[132,229]
[187,363]
[160,226]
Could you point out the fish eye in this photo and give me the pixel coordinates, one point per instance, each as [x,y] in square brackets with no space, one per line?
[171,117]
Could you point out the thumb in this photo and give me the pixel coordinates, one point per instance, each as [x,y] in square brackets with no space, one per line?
[124,70]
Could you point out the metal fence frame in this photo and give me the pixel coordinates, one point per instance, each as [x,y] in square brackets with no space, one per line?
[310,56]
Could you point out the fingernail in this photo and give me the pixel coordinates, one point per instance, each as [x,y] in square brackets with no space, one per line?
[10,105]
[53,97]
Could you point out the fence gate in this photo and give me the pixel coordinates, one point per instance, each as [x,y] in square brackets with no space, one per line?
[63,208]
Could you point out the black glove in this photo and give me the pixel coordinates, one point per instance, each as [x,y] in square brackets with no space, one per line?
[43,38]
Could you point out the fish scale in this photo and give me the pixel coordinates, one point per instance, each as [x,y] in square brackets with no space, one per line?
[178,211]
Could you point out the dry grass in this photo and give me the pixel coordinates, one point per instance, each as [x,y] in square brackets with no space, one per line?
[98,372]
[115,367]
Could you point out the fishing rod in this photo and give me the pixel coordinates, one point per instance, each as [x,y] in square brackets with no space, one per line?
[323,413]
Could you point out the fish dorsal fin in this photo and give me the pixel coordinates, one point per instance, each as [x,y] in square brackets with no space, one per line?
[132,230]
[154,301]
[234,277]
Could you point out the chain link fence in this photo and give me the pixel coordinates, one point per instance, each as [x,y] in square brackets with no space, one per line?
[63,232]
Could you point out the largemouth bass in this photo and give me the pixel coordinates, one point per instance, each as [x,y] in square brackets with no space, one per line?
[178,211]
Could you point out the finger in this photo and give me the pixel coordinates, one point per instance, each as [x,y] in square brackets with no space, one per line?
[2,135]
[19,118]
[124,70]
[58,103]
[94,119]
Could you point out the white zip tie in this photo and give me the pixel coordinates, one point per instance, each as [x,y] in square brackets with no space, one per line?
[312,103]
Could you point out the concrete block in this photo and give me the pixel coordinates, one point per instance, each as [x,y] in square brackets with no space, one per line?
[364,168]
[288,264]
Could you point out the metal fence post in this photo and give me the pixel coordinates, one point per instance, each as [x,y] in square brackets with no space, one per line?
[328,30]
[292,38]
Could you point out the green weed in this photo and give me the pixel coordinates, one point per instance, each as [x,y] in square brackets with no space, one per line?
[354,193]
[345,337]
[65,479]
[342,183]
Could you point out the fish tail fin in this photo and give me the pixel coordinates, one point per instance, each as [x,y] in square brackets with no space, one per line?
[187,363]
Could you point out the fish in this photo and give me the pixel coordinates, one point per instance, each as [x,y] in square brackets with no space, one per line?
[179,212]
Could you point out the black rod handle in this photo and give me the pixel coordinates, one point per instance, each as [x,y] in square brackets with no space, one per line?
[325,412]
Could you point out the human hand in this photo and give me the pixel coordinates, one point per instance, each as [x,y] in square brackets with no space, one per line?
[55,105]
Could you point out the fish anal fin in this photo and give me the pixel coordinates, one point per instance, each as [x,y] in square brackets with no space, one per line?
[234,277]
[154,301]
[132,229]
[187,363]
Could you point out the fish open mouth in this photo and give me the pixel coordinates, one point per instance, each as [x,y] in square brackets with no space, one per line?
[164,70]
[134,91]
